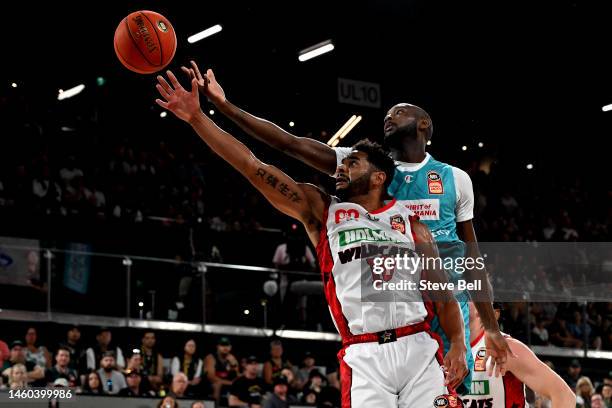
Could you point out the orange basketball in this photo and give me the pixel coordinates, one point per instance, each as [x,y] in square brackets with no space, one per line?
[145,42]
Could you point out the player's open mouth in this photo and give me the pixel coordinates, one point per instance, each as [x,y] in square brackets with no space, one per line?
[342,179]
[389,126]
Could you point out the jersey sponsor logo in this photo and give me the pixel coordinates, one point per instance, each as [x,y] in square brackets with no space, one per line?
[447,401]
[351,236]
[398,223]
[437,233]
[434,183]
[478,403]
[480,364]
[427,209]
[480,387]
[345,215]
[367,251]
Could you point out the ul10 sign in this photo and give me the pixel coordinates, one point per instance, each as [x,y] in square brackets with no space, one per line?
[359,93]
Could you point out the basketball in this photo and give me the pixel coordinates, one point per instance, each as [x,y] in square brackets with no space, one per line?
[145,42]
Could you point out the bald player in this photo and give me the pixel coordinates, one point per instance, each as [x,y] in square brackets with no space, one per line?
[490,391]
[440,194]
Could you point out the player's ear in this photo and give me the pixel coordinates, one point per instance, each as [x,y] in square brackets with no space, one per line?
[379,178]
[424,124]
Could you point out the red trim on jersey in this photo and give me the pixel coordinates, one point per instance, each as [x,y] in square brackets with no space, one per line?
[514,391]
[326,262]
[477,339]
[385,207]
[346,380]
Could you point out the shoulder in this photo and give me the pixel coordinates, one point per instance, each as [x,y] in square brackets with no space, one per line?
[460,175]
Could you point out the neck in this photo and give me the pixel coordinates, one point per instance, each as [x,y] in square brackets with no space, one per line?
[410,150]
[147,349]
[476,329]
[250,375]
[368,201]
[60,368]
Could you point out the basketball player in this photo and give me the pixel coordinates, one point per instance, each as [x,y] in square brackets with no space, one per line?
[440,194]
[389,356]
[509,391]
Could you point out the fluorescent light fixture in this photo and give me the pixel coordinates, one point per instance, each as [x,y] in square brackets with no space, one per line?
[315,50]
[69,93]
[344,130]
[203,34]
[163,114]
[607,108]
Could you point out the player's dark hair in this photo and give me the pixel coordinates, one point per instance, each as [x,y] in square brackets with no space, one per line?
[379,157]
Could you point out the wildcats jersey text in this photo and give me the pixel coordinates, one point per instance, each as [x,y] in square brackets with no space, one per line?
[350,230]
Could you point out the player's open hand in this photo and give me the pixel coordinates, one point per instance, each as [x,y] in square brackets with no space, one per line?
[207,84]
[455,365]
[499,350]
[183,103]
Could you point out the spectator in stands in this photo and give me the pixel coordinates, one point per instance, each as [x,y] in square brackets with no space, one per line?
[103,344]
[276,363]
[17,356]
[584,391]
[135,386]
[560,336]
[577,328]
[309,397]
[178,388]
[93,384]
[247,390]
[168,402]
[112,380]
[190,364]
[221,368]
[73,345]
[18,377]
[573,373]
[606,393]
[198,404]
[294,388]
[152,360]
[597,401]
[280,397]
[316,382]
[304,372]
[539,334]
[38,354]
[62,369]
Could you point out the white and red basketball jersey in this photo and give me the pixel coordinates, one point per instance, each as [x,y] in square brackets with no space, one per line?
[349,229]
[492,392]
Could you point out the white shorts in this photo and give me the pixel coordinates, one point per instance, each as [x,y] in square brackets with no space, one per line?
[406,373]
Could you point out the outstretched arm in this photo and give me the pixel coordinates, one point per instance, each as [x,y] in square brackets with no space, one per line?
[303,202]
[539,377]
[310,151]
[447,308]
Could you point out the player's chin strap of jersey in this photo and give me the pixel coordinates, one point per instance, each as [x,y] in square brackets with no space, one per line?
[386,336]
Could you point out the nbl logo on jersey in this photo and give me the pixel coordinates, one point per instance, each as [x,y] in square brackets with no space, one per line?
[447,401]
[398,223]
[480,363]
[434,183]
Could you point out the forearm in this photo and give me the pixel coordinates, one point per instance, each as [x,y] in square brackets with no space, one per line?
[222,143]
[310,151]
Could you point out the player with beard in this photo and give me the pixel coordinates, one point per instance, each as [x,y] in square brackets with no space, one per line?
[390,358]
[440,194]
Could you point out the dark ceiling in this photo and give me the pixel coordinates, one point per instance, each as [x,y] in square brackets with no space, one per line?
[528,78]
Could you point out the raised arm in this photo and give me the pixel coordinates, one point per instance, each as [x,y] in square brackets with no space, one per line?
[312,152]
[447,308]
[539,377]
[303,202]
